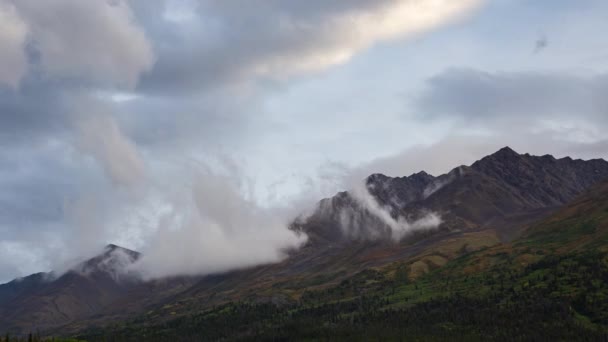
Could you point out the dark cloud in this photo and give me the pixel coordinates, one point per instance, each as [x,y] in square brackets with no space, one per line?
[475,96]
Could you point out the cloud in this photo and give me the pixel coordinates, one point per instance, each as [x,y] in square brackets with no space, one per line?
[212,226]
[357,212]
[224,42]
[100,170]
[26,258]
[56,199]
[528,100]
[100,136]
[399,226]
[458,149]
[87,40]
[193,82]
[13,33]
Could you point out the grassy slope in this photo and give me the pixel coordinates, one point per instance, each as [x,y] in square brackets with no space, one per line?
[551,284]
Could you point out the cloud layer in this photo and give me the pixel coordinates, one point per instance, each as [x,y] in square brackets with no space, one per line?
[122,94]
[116,116]
[219,41]
[211,227]
[13,33]
[88,41]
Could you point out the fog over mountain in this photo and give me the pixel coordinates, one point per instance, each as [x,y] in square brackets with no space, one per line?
[210,256]
[196,131]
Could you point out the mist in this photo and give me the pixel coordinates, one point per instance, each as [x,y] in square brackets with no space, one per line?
[359,215]
[212,227]
[400,226]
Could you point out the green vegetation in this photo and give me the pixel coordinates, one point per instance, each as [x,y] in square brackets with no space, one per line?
[35,338]
[559,297]
[550,285]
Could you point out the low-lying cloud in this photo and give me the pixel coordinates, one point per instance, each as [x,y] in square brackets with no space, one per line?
[213,227]
[400,226]
[359,215]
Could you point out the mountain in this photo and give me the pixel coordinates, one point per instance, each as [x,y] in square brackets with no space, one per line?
[390,227]
[40,301]
[24,285]
[501,191]
[548,284]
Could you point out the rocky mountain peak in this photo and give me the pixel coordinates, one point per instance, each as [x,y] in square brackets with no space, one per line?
[377,178]
[113,260]
[505,152]
[503,157]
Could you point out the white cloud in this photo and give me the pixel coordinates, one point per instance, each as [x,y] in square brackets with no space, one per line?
[24,258]
[227,42]
[213,227]
[100,136]
[337,39]
[13,34]
[95,40]
[399,226]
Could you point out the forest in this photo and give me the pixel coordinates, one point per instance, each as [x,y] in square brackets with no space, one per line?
[556,298]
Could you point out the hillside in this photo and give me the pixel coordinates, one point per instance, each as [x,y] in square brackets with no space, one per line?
[44,301]
[502,191]
[550,284]
[502,211]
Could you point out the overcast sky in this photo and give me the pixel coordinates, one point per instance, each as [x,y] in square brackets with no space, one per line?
[119,119]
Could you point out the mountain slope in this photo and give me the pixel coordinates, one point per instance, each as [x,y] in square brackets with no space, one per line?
[23,285]
[80,292]
[333,256]
[549,284]
[501,191]
[492,201]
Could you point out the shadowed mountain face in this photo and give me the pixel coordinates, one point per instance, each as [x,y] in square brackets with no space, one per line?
[23,285]
[43,300]
[499,191]
[492,200]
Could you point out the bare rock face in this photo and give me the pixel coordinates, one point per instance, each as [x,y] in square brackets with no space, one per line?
[499,191]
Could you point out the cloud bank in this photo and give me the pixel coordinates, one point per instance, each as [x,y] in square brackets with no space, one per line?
[221,41]
[86,40]
[102,103]
[13,32]
[108,109]
[212,227]
[400,226]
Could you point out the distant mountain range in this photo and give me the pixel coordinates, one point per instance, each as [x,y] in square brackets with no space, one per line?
[413,228]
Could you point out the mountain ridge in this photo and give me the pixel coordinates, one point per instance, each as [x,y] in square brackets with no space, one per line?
[51,300]
[490,183]
[548,284]
[492,201]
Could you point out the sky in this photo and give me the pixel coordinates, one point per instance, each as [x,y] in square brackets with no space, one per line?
[195,130]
